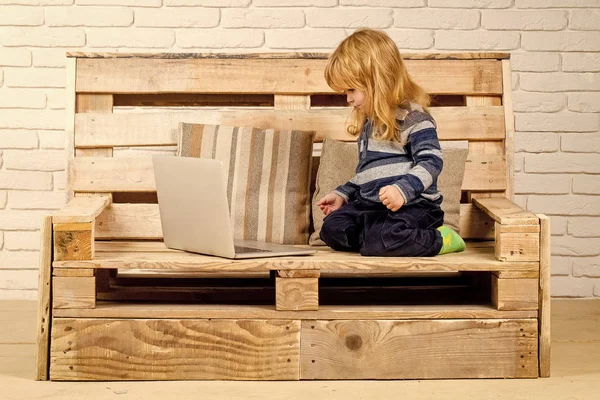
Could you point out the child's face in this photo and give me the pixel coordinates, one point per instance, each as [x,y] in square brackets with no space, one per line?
[356,98]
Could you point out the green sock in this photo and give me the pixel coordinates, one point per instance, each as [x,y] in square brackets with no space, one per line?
[451,242]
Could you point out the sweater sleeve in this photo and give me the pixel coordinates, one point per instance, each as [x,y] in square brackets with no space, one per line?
[427,155]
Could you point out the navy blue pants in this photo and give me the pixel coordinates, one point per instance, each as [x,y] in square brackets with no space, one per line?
[373,230]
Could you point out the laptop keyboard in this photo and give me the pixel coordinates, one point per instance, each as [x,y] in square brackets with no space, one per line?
[244,249]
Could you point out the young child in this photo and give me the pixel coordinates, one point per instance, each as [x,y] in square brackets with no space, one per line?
[392,205]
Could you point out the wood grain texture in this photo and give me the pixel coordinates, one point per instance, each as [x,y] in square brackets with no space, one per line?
[71,71]
[44,306]
[509,118]
[517,246]
[515,294]
[431,349]
[73,292]
[505,212]
[95,349]
[82,209]
[544,296]
[74,241]
[98,130]
[106,309]
[285,76]
[296,294]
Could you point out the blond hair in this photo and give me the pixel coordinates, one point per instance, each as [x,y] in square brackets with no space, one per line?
[369,61]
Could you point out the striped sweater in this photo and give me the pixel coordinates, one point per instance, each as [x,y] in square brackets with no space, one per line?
[413,168]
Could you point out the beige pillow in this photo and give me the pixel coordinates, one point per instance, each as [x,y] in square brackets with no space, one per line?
[338,164]
[268,173]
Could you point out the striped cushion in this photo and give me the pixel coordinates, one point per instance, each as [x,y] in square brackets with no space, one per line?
[268,178]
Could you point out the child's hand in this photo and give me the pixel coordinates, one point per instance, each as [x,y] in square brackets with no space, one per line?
[391,198]
[330,202]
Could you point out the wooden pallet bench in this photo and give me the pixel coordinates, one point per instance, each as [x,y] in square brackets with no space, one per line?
[116,304]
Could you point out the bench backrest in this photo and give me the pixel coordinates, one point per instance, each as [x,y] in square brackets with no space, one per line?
[122,108]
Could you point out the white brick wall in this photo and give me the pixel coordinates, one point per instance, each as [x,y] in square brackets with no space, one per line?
[555,55]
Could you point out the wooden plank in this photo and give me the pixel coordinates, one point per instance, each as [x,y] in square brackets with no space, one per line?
[73,292]
[291,102]
[74,241]
[478,256]
[517,228]
[517,246]
[81,209]
[509,119]
[430,349]
[298,273]
[294,294]
[515,294]
[71,70]
[106,309]
[73,272]
[544,297]
[94,152]
[161,128]
[293,55]
[474,223]
[285,76]
[94,349]
[86,102]
[135,174]
[44,301]
[506,212]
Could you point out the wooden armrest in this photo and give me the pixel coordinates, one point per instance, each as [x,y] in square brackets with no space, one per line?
[505,212]
[81,209]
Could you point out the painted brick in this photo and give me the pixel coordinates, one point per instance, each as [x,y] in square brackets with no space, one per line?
[542,184]
[56,99]
[571,246]
[136,3]
[524,20]
[213,3]
[586,184]
[538,142]
[21,16]
[380,3]
[25,180]
[457,40]
[579,226]
[219,38]
[584,102]
[585,19]
[586,266]
[559,81]
[558,225]
[535,62]
[304,39]
[36,200]
[564,204]
[436,19]
[19,280]
[51,58]
[561,41]
[39,2]
[581,62]
[43,37]
[18,139]
[184,17]
[3,200]
[411,39]
[581,142]
[52,140]
[15,57]
[262,18]
[89,16]
[562,162]
[128,37]
[60,180]
[563,286]
[15,240]
[19,259]
[562,121]
[22,98]
[35,78]
[348,18]
[555,3]
[538,102]
[561,265]
[471,3]
[20,220]
[34,160]
[32,119]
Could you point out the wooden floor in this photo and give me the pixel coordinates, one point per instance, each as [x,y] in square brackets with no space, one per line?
[575,370]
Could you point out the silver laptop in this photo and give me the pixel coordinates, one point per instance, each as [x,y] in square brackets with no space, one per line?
[194,212]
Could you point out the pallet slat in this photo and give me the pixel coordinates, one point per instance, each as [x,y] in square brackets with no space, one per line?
[285,76]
